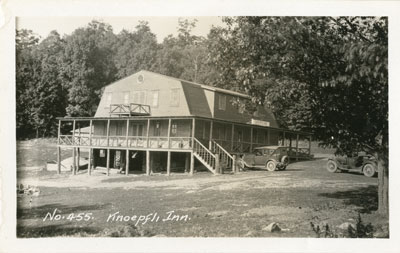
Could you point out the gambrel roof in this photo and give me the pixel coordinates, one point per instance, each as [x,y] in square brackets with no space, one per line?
[191,99]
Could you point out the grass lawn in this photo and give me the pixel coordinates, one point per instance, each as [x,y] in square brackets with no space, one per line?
[203,205]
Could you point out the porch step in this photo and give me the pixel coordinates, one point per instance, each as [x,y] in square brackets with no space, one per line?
[204,162]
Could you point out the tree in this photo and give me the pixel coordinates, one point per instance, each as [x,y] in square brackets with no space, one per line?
[328,74]
[50,98]
[135,50]
[26,67]
[86,67]
[184,56]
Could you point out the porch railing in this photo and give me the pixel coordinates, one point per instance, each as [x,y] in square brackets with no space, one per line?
[130,109]
[156,142]
[226,159]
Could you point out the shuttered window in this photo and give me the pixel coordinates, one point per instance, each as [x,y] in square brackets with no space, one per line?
[154,98]
[174,99]
[222,102]
[126,97]
[139,97]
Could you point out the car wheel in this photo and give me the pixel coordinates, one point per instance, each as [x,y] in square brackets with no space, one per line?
[285,160]
[270,166]
[369,170]
[332,166]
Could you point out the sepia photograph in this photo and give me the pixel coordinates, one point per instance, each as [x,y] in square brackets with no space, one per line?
[258,126]
[192,126]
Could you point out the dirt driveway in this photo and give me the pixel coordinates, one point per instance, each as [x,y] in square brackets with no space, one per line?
[203,205]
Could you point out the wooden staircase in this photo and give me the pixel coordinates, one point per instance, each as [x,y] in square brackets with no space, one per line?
[226,160]
[204,155]
[215,160]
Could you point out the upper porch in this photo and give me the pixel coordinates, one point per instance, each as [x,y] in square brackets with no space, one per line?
[176,134]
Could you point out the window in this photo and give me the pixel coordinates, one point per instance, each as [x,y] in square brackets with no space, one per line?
[108,99]
[174,129]
[102,153]
[174,100]
[140,130]
[154,98]
[126,97]
[119,125]
[139,97]
[255,135]
[136,130]
[157,129]
[222,102]
[240,136]
[140,79]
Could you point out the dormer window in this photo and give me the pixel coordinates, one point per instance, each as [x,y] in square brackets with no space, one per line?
[222,102]
[174,99]
[126,97]
[154,98]
[139,97]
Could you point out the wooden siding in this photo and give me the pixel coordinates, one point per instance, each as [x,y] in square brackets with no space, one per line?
[197,100]
[152,82]
[191,99]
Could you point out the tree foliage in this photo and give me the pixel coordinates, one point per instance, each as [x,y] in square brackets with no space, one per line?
[328,75]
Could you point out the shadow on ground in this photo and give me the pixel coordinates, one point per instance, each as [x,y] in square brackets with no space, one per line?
[366,198]
[55,230]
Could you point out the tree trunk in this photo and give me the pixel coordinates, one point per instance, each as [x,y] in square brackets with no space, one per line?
[383,184]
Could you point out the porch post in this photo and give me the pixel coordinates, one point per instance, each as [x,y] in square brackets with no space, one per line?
[233,135]
[79,133]
[73,161]
[169,163]
[90,132]
[108,162]
[234,164]
[309,145]
[284,138]
[108,132]
[187,162]
[90,161]
[268,138]
[297,147]
[78,149]
[127,162]
[127,132]
[211,134]
[78,157]
[251,139]
[59,132]
[147,162]
[169,133]
[193,127]
[147,133]
[58,160]
[73,133]
[217,165]
[191,163]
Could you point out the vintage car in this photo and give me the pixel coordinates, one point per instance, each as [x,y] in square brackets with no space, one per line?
[360,162]
[269,157]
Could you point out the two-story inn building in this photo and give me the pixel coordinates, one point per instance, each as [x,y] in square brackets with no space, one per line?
[148,123]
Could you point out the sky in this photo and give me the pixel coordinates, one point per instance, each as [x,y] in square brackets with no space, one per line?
[161,26]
